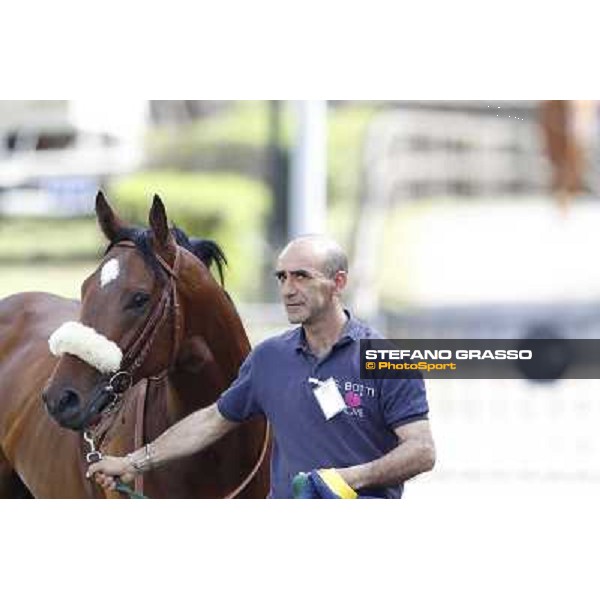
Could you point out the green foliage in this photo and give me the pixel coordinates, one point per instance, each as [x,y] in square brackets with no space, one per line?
[244,129]
[63,279]
[245,123]
[24,238]
[348,127]
[223,207]
[231,209]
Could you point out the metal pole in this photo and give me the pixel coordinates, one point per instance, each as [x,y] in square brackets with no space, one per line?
[277,174]
[308,198]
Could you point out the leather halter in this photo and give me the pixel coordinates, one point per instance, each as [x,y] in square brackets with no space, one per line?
[137,350]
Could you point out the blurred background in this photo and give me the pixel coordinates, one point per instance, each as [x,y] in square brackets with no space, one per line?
[462,219]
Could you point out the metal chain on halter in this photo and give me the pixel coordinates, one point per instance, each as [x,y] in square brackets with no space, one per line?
[94,456]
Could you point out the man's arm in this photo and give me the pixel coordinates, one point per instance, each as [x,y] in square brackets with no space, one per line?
[414,454]
[188,436]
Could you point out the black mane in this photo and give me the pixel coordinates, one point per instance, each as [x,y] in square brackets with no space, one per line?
[207,251]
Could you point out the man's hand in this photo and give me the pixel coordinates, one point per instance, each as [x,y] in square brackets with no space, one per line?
[104,471]
[192,434]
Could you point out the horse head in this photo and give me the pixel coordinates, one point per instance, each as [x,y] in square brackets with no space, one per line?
[132,317]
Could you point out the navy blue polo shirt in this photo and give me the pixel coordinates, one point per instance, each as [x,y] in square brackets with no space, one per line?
[273,381]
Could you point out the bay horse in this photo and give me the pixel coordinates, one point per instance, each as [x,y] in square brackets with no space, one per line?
[154,338]
[564,149]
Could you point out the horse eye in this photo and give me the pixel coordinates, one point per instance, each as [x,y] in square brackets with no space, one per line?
[138,300]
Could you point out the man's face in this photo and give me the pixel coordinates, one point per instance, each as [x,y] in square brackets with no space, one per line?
[305,290]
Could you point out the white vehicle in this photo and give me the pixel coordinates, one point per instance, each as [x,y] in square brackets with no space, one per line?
[56,170]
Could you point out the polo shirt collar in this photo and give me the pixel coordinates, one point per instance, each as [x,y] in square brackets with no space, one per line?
[351,332]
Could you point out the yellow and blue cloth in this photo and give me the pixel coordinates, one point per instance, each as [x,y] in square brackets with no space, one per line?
[322,484]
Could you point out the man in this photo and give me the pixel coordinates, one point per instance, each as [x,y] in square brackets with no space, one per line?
[335,435]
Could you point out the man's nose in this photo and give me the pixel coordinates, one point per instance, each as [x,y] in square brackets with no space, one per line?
[288,288]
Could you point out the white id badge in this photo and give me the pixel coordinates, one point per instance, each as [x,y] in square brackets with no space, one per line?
[329,398]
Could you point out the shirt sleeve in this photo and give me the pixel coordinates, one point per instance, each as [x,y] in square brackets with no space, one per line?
[404,400]
[239,401]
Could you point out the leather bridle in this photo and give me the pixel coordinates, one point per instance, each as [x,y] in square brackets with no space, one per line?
[137,349]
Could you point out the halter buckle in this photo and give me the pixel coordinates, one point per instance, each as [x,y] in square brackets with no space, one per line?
[93,455]
[119,383]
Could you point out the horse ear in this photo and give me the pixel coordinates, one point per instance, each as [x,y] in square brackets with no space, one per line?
[158,222]
[108,220]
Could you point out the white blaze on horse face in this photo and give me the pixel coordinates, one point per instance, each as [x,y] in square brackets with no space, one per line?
[110,271]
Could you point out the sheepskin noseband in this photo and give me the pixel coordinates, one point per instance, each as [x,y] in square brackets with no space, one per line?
[88,345]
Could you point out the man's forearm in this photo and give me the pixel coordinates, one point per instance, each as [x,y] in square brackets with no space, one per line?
[188,436]
[410,458]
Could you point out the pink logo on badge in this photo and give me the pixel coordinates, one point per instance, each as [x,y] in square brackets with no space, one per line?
[352,399]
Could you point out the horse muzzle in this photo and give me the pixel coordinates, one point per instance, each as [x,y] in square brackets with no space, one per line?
[67,408]
[64,407]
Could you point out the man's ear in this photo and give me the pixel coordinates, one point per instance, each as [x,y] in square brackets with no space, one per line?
[341,280]
[109,222]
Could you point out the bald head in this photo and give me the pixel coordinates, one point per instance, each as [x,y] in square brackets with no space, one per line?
[312,274]
[326,254]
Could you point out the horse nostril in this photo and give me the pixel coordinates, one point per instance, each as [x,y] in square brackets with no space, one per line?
[68,400]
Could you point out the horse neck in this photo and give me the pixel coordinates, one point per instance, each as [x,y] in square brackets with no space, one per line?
[214,340]
[213,348]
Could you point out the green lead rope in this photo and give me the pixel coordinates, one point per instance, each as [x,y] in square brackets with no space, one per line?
[124,489]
